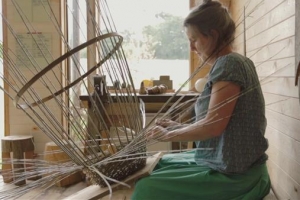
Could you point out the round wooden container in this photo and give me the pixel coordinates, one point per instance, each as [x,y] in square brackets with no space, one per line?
[16,147]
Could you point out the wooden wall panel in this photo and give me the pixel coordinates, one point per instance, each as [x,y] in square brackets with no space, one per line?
[277,68]
[287,106]
[18,123]
[285,125]
[277,185]
[283,30]
[267,17]
[280,86]
[270,43]
[297,35]
[285,145]
[297,46]
[285,186]
[273,50]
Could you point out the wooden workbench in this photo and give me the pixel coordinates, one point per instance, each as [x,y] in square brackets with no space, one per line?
[153,102]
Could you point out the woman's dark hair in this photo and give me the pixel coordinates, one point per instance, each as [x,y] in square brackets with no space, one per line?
[211,15]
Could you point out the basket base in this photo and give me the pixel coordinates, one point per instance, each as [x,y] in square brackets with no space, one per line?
[117,170]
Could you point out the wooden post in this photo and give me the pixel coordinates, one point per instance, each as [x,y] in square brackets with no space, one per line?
[14,150]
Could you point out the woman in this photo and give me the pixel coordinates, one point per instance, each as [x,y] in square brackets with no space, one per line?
[229,161]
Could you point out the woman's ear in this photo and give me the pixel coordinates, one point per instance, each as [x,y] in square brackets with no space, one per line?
[214,34]
[215,38]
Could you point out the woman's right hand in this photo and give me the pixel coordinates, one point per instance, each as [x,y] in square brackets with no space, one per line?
[166,123]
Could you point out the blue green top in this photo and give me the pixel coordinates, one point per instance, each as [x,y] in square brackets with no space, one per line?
[242,144]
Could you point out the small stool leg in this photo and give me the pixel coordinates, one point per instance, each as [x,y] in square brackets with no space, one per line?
[29,166]
[17,145]
[18,156]
[7,167]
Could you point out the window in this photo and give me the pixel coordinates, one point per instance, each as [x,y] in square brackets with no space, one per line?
[154,40]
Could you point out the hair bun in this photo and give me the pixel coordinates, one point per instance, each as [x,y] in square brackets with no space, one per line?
[207,1]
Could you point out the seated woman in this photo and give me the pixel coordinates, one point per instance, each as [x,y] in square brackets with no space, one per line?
[230,160]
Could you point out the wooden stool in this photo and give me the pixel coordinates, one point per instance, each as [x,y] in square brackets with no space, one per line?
[54,153]
[14,149]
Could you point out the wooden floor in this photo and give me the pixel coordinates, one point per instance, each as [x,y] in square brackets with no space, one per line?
[54,192]
[63,193]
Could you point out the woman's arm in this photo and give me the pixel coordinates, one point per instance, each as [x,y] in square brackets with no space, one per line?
[221,106]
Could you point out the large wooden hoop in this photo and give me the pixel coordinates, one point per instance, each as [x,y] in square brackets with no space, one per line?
[59,60]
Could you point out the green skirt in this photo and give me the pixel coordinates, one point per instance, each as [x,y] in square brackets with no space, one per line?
[178,177]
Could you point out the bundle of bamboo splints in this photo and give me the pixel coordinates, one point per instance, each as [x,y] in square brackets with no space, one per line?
[107,144]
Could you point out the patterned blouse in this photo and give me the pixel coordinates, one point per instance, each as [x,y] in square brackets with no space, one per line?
[242,144]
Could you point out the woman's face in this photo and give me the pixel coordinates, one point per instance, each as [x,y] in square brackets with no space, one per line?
[201,44]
